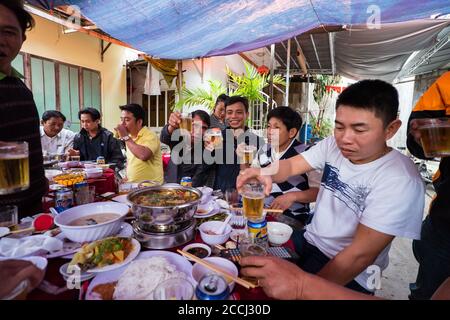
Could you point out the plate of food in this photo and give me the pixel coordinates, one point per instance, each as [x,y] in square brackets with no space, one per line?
[106,254]
[206,210]
[70,248]
[137,280]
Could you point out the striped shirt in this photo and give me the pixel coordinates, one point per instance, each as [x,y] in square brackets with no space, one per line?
[19,121]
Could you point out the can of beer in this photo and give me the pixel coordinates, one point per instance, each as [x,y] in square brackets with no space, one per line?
[81,191]
[186,182]
[257,231]
[101,160]
[63,199]
[212,287]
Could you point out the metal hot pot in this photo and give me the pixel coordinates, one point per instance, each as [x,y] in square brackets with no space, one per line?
[161,227]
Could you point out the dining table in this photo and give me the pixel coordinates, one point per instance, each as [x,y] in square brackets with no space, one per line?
[54,287]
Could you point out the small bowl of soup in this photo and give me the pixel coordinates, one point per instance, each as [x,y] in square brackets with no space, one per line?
[93,221]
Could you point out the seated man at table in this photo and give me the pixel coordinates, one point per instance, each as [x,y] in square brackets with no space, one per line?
[294,195]
[179,164]
[94,141]
[227,161]
[144,160]
[369,193]
[54,138]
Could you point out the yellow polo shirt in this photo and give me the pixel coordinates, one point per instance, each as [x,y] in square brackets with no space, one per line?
[138,170]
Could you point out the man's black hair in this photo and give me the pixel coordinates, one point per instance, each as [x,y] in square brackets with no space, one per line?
[235,99]
[202,115]
[289,117]
[375,95]
[94,113]
[134,108]
[25,19]
[52,114]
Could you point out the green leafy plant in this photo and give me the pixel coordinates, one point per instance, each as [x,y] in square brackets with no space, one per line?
[251,83]
[200,96]
[321,130]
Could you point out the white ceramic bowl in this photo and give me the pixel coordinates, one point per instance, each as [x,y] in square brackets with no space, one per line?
[91,232]
[279,233]
[92,173]
[198,271]
[213,239]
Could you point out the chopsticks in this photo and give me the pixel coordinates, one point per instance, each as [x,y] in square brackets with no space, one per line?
[238,280]
[265,209]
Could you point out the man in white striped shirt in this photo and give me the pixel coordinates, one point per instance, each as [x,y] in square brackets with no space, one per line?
[54,138]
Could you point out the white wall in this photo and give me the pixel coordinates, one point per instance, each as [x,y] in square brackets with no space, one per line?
[214,69]
[405,96]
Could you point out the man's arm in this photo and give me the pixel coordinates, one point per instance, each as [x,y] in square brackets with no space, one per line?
[354,259]
[286,200]
[277,172]
[166,137]
[141,152]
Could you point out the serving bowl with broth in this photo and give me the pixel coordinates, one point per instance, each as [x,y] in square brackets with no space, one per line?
[92,221]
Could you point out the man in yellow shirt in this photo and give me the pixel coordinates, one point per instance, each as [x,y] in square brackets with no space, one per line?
[143,147]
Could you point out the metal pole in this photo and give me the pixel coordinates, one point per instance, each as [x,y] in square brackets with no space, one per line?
[288,64]
[307,109]
[272,57]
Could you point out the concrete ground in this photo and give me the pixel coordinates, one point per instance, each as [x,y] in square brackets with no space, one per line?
[402,269]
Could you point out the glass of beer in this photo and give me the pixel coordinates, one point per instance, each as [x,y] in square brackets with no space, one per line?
[186,122]
[14,167]
[253,201]
[435,137]
[248,153]
[214,137]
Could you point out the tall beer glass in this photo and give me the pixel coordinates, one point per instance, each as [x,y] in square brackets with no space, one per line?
[253,201]
[186,122]
[14,167]
[435,137]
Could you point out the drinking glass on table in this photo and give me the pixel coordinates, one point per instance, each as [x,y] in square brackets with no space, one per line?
[248,248]
[14,167]
[174,289]
[232,197]
[8,216]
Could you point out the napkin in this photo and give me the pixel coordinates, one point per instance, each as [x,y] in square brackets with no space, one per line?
[14,248]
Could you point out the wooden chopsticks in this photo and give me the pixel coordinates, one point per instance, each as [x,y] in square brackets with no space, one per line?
[265,209]
[238,280]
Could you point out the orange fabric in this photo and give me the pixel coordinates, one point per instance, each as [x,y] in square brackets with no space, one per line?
[437,97]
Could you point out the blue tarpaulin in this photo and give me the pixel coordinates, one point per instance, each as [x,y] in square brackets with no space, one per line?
[181,29]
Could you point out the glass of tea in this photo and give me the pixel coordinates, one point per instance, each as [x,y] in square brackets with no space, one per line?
[435,137]
[14,167]
[253,201]
[186,122]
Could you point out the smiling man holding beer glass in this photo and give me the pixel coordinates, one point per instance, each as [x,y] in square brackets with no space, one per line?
[19,122]
[429,136]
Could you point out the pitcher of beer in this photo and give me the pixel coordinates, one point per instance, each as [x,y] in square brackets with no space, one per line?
[253,201]
[14,167]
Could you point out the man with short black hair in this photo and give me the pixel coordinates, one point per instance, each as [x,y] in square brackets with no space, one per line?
[236,133]
[369,194]
[20,119]
[94,141]
[54,138]
[144,160]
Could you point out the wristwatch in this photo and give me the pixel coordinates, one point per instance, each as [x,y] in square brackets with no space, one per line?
[125,138]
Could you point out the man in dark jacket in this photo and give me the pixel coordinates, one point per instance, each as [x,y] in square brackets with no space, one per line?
[94,141]
[192,166]
[432,251]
